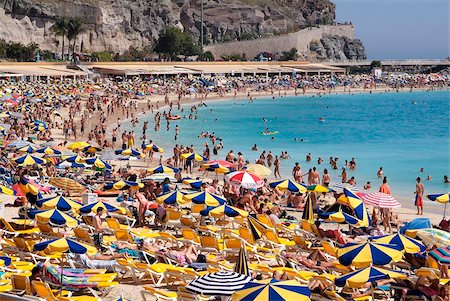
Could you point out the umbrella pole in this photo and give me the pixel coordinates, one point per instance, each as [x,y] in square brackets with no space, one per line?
[445,209]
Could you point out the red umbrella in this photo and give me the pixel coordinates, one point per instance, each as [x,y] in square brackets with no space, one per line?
[380,199]
[245,179]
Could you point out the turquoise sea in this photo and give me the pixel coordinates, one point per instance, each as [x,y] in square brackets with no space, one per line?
[402,132]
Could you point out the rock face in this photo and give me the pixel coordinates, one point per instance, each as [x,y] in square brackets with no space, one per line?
[337,48]
[118,24]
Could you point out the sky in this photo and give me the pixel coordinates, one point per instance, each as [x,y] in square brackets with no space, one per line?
[399,29]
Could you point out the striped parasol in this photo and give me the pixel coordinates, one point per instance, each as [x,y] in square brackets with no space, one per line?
[308,213]
[434,237]
[256,227]
[241,263]
[380,199]
[244,179]
[220,283]
[67,184]
[442,254]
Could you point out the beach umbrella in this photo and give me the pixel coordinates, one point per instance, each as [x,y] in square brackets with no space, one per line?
[6,190]
[341,186]
[130,152]
[442,255]
[67,184]
[171,198]
[365,254]
[259,170]
[27,149]
[340,217]
[153,147]
[288,185]
[406,243]
[194,183]
[219,283]
[49,151]
[98,163]
[122,185]
[25,188]
[59,202]
[76,159]
[272,290]
[223,163]
[28,160]
[318,188]
[434,237]
[241,266]
[19,143]
[358,207]
[163,169]
[205,197]
[441,198]
[159,177]
[256,227]
[380,199]
[65,164]
[244,179]
[65,245]
[411,227]
[91,149]
[54,217]
[225,210]
[77,145]
[308,213]
[106,206]
[370,274]
[217,168]
[193,156]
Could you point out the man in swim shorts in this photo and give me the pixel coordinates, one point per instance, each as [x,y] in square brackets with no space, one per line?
[419,196]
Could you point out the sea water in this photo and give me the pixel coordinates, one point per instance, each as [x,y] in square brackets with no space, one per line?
[401,132]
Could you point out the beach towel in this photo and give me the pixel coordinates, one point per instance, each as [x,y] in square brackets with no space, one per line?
[71,280]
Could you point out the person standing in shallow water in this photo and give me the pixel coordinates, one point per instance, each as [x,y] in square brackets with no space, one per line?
[419,196]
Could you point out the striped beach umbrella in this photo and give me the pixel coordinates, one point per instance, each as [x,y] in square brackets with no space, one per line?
[68,164]
[219,283]
[28,160]
[98,163]
[59,202]
[77,145]
[341,218]
[122,185]
[67,184]
[441,198]
[163,169]
[193,156]
[241,266]
[49,151]
[6,190]
[65,245]
[90,149]
[107,207]
[54,217]
[288,185]
[244,179]
[27,149]
[225,210]
[434,237]
[365,254]
[380,199]
[194,183]
[76,159]
[442,255]
[256,227]
[370,274]
[172,197]
[406,243]
[358,207]
[318,188]
[341,186]
[154,148]
[217,168]
[308,213]
[205,197]
[272,289]
[259,170]
[130,152]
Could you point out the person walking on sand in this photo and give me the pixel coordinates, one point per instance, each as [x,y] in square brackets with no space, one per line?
[419,196]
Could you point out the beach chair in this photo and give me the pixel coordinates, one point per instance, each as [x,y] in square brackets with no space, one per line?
[172,218]
[301,242]
[20,284]
[167,237]
[114,224]
[44,291]
[265,219]
[190,236]
[124,235]
[232,246]
[311,228]
[83,234]
[9,230]
[185,295]
[47,232]
[159,294]
[24,248]
[197,208]
[181,275]
[210,243]
[277,242]
[329,247]
[188,221]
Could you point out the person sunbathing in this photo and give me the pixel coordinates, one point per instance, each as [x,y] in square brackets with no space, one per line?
[316,260]
[99,260]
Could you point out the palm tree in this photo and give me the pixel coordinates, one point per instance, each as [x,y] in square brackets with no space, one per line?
[60,29]
[75,27]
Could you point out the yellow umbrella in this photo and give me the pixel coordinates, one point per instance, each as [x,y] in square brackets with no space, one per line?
[259,170]
[57,218]
[77,145]
[6,190]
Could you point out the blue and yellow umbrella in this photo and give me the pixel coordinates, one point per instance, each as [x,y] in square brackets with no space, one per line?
[308,213]
[154,148]
[170,198]
[205,197]
[406,243]
[273,290]
[288,185]
[223,210]
[365,254]
[6,190]
[130,152]
[370,274]
[358,207]
[77,159]
[318,188]
[65,245]
[60,203]
[77,145]
[162,169]
[443,198]
[193,156]
[194,183]
[49,151]
[98,163]
[91,149]
[54,217]
[27,149]
[342,217]
[122,185]
[107,207]
[241,266]
[28,160]
[217,168]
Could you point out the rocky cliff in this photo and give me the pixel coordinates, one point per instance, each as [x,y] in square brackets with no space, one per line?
[118,24]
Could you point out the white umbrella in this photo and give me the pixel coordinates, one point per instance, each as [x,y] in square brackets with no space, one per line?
[380,199]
